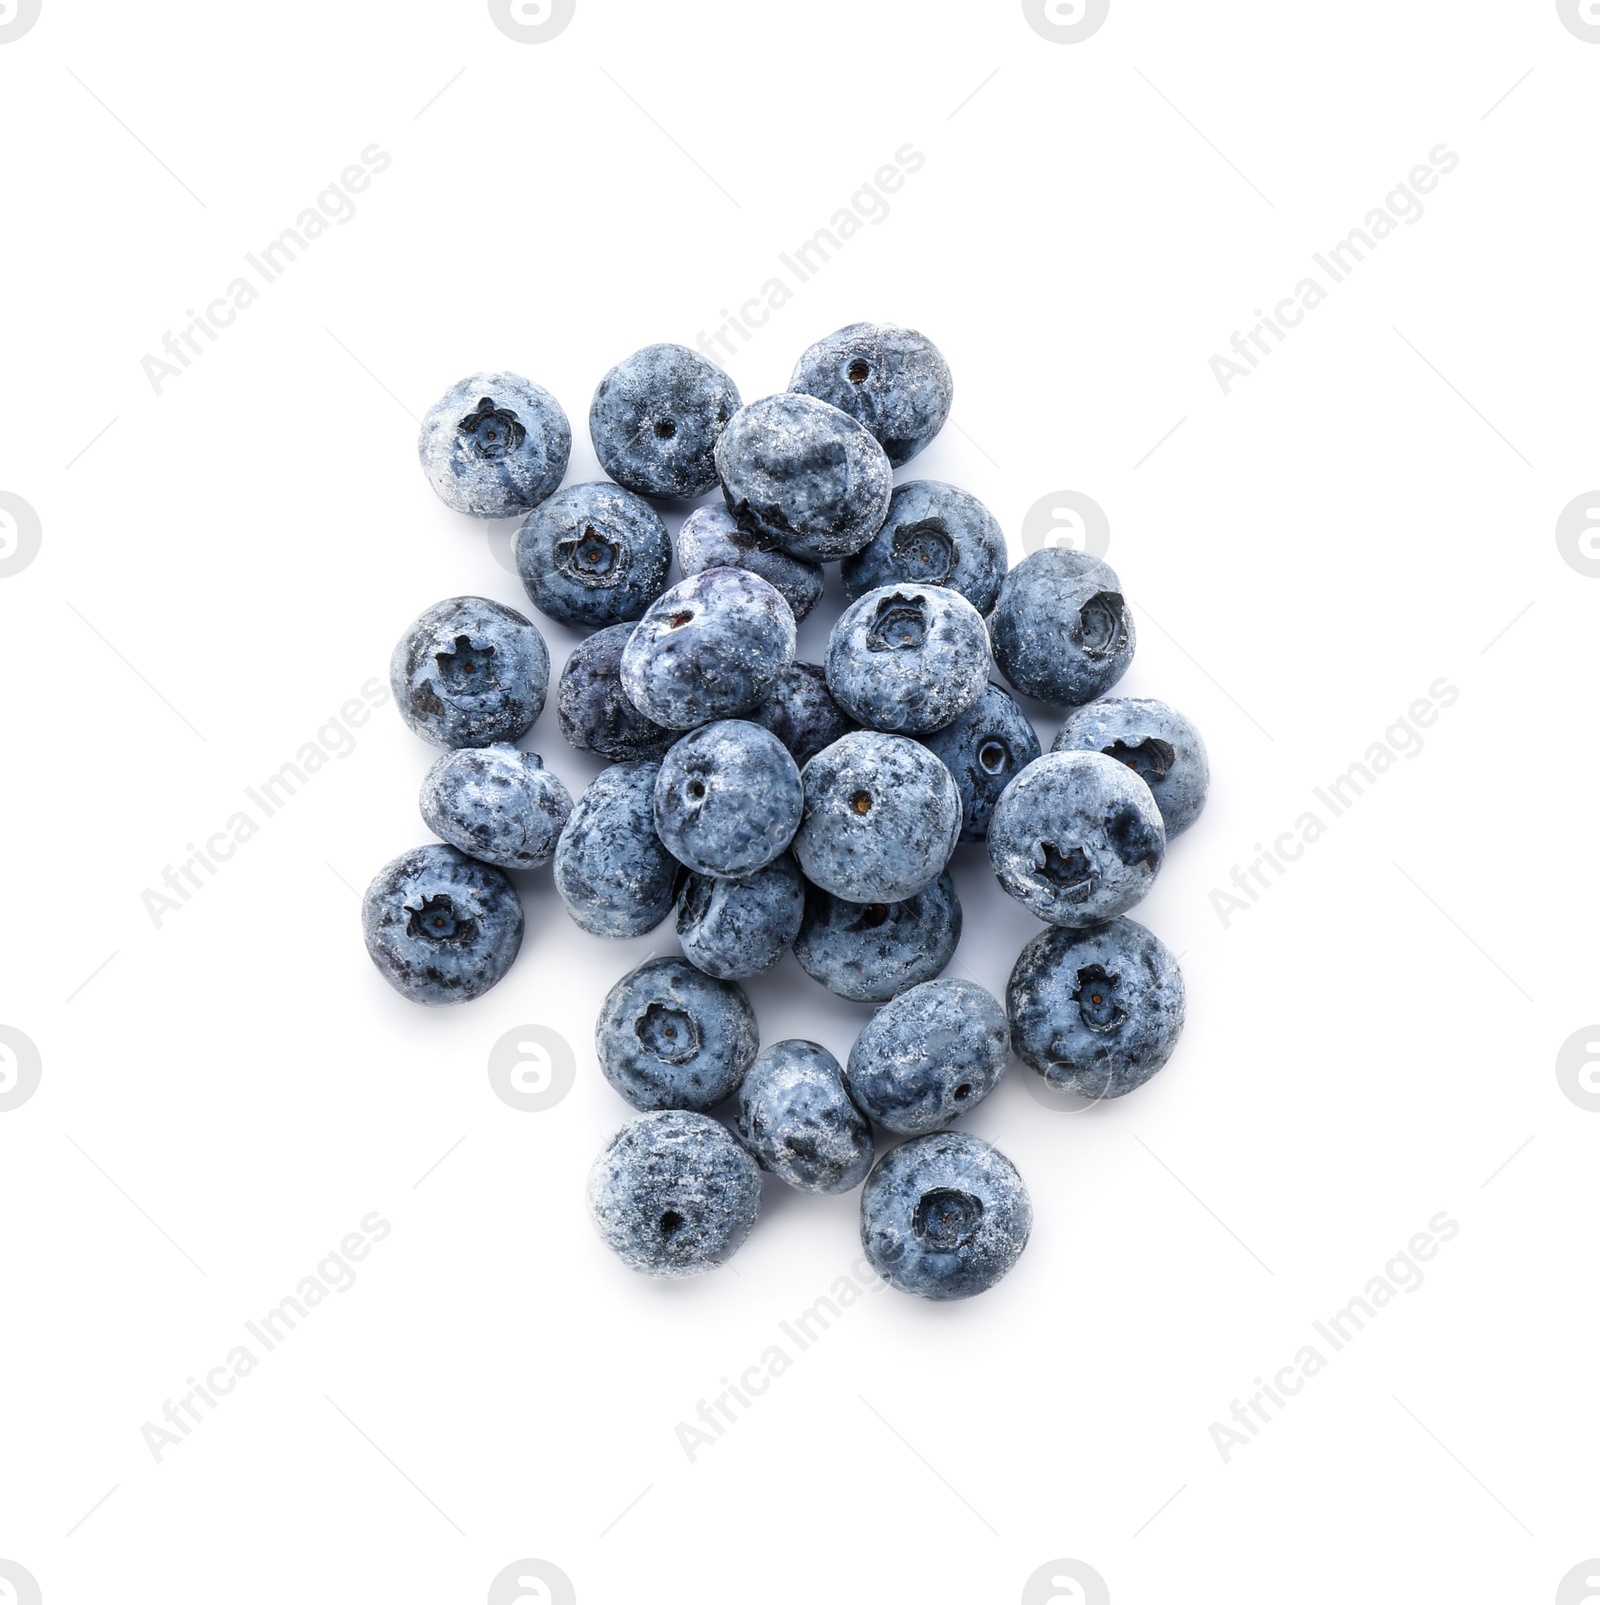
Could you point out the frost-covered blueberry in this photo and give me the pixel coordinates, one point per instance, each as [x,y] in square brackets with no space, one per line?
[655,420]
[670,1036]
[674,1193]
[930,1055]
[985,748]
[593,554]
[498,804]
[868,952]
[944,1216]
[882,816]
[801,713]
[440,926]
[1061,630]
[799,474]
[727,798]
[710,648]
[894,380]
[1096,1012]
[711,538]
[1077,838]
[593,710]
[935,534]
[908,657]
[495,445]
[796,1117]
[614,875]
[1156,742]
[470,672]
[734,928]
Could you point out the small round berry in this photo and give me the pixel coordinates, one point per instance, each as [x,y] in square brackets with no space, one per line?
[796,1117]
[498,804]
[495,445]
[655,420]
[893,379]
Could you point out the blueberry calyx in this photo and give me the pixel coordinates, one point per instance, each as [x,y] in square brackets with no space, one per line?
[437,922]
[1103,626]
[591,558]
[926,544]
[1096,1000]
[1149,759]
[668,1033]
[494,431]
[947,1220]
[1069,871]
[469,667]
[899,624]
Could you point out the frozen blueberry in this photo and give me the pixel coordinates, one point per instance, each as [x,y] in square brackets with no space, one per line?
[671,1037]
[470,672]
[1060,630]
[593,710]
[934,1052]
[674,1194]
[711,648]
[1095,1012]
[495,445]
[611,869]
[655,420]
[802,475]
[985,748]
[882,815]
[497,804]
[593,554]
[894,380]
[727,798]
[868,952]
[711,538]
[733,928]
[908,657]
[944,1216]
[1156,742]
[441,927]
[935,534]
[801,713]
[1077,838]
[797,1119]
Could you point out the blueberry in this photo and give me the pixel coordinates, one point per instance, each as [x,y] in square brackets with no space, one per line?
[799,474]
[470,672]
[801,713]
[671,1037]
[1077,838]
[1096,1012]
[984,748]
[868,952]
[1156,742]
[674,1194]
[611,869]
[733,928]
[441,927]
[935,534]
[894,380]
[908,657]
[711,648]
[498,804]
[931,1054]
[796,1117]
[593,710]
[882,815]
[711,538]
[495,445]
[1060,630]
[944,1216]
[656,417]
[592,555]
[727,798]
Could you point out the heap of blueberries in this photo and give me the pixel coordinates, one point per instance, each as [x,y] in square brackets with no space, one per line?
[782,806]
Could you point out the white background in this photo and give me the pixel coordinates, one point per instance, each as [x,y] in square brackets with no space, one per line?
[225,564]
